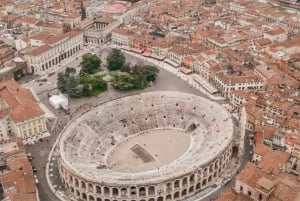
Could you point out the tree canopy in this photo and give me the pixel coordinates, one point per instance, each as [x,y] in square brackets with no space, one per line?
[116,60]
[138,78]
[80,86]
[90,63]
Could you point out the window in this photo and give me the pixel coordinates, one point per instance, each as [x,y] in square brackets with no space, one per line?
[241,188]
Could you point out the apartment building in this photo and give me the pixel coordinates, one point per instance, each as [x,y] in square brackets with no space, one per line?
[121,38]
[227,83]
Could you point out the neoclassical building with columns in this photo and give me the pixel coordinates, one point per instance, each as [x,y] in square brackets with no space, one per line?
[154,146]
[44,51]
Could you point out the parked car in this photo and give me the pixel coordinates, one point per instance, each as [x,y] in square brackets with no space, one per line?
[34,169]
[226,181]
[36,180]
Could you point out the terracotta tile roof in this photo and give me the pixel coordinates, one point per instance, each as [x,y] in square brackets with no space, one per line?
[291,138]
[20,179]
[261,149]
[38,50]
[105,19]
[230,195]
[249,175]
[267,131]
[22,104]
[23,197]
[284,192]
[273,161]
[263,41]
[277,31]
[265,183]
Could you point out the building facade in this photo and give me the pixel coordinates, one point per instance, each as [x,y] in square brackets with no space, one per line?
[20,116]
[52,51]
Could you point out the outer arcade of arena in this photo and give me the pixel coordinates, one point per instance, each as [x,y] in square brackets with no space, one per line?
[83,165]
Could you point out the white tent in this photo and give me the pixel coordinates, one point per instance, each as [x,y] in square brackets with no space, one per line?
[57,100]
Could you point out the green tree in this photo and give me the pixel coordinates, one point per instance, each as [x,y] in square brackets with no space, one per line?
[90,63]
[150,72]
[62,82]
[126,68]
[70,70]
[116,60]
[100,84]
[72,88]
[18,74]
[123,81]
[139,79]
[86,90]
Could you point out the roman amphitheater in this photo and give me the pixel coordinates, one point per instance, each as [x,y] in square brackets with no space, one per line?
[153,146]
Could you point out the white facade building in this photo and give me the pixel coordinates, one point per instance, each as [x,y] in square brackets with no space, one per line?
[52,50]
[227,83]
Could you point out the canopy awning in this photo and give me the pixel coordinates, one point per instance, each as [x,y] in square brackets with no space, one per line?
[185,70]
[146,54]
[137,50]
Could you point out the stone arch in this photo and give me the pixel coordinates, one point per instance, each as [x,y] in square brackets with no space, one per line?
[210,178]
[200,171]
[192,178]
[123,191]
[160,198]
[217,164]
[198,186]
[177,184]
[211,168]
[72,189]
[169,186]
[77,193]
[98,189]
[151,190]
[98,199]
[91,198]
[183,192]
[204,182]
[191,190]
[142,191]
[106,200]
[133,190]
[169,197]
[151,199]
[184,181]
[205,170]
[76,182]
[115,191]
[176,195]
[106,190]
[90,187]
[83,185]
[70,179]
[83,196]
